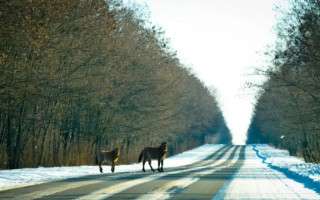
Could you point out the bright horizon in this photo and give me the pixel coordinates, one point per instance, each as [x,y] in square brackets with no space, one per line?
[220,40]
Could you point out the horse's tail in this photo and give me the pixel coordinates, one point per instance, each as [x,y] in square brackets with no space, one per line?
[98,158]
[140,157]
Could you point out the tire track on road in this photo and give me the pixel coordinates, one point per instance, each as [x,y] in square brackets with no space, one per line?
[174,187]
[207,187]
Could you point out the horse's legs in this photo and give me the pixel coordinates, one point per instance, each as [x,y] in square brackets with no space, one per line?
[100,167]
[151,165]
[143,163]
[100,161]
[161,165]
[112,167]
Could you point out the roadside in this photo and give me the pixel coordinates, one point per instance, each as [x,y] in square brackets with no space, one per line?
[258,178]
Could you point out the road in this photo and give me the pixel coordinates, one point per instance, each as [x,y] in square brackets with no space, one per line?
[200,180]
[214,177]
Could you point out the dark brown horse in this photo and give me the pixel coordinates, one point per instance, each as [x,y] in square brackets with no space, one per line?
[154,153]
[108,157]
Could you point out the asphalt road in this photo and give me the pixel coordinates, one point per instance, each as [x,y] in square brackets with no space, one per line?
[201,180]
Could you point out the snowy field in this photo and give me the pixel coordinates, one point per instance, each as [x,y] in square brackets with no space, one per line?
[267,173]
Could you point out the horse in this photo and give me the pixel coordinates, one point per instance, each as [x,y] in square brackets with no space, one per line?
[108,157]
[149,153]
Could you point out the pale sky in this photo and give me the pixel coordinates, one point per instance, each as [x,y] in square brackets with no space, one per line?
[219,39]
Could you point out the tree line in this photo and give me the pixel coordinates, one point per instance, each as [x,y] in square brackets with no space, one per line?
[77,76]
[287,113]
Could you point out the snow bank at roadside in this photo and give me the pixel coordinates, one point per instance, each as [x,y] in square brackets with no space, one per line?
[294,168]
[30,176]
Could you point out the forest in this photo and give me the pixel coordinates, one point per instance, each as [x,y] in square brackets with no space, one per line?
[77,76]
[287,113]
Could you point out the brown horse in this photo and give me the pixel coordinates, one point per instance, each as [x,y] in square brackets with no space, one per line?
[150,153]
[108,157]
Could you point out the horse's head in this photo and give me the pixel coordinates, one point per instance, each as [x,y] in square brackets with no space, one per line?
[116,152]
[164,146]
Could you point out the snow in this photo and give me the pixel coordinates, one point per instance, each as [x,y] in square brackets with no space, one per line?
[293,167]
[28,176]
[267,173]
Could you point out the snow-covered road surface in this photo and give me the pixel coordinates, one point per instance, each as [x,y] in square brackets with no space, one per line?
[207,172]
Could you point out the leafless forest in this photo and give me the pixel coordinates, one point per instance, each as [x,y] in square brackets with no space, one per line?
[77,76]
[287,113]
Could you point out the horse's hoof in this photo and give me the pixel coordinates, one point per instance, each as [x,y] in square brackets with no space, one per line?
[144,170]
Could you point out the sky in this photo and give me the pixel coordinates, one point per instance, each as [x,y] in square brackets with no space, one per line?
[221,40]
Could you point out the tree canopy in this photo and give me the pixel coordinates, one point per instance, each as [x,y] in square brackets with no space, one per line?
[78,76]
[287,113]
